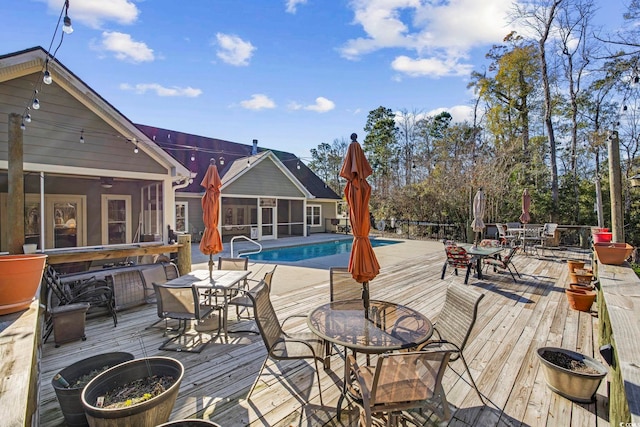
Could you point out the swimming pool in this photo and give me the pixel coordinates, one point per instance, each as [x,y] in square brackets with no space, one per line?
[304,252]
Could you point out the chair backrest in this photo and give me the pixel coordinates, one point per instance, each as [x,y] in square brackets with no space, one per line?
[549,229]
[342,285]
[268,277]
[457,256]
[458,315]
[265,316]
[233,263]
[506,259]
[501,230]
[407,377]
[177,302]
[514,225]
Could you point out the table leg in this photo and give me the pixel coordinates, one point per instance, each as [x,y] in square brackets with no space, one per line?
[479,268]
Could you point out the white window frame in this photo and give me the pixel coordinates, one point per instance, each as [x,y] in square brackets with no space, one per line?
[186,217]
[106,198]
[312,216]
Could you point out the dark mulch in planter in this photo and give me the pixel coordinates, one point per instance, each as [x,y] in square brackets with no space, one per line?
[137,391]
[565,361]
[83,380]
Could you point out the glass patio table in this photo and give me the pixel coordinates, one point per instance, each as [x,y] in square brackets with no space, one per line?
[480,252]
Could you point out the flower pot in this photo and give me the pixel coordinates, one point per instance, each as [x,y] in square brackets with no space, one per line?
[148,413]
[613,253]
[602,237]
[20,277]
[69,397]
[576,386]
[580,300]
[580,287]
[581,277]
[574,264]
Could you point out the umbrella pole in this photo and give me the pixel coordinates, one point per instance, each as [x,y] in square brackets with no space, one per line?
[211,267]
[365,298]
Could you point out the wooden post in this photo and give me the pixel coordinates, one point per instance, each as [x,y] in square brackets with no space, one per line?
[15,199]
[615,186]
[184,254]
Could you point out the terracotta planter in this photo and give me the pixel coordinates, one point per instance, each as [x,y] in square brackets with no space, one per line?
[580,300]
[580,287]
[613,253]
[576,386]
[20,277]
[574,264]
[149,413]
[581,277]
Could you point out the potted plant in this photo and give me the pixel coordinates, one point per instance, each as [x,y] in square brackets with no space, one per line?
[138,393]
[69,383]
[571,374]
[20,277]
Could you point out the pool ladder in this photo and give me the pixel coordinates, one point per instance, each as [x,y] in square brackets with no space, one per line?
[248,240]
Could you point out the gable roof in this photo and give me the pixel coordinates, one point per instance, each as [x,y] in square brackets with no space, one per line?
[29,61]
[183,145]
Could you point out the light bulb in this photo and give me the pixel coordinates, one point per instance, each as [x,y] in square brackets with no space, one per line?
[47,78]
[193,157]
[27,118]
[135,150]
[221,160]
[298,166]
[36,104]
[248,163]
[82,137]
[22,126]
[67,28]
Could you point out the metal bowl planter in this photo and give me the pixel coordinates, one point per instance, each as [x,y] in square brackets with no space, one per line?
[149,413]
[69,397]
[576,386]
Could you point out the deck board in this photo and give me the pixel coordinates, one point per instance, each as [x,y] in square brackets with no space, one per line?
[514,319]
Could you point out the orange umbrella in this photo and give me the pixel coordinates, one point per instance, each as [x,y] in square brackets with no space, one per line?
[211,242]
[363,264]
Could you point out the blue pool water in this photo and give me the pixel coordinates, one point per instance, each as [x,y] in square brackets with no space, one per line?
[303,252]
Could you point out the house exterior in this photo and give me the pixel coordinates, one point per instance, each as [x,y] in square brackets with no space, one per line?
[91,177]
[265,194]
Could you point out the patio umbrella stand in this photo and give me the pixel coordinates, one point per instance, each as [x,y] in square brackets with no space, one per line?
[363,264]
[211,242]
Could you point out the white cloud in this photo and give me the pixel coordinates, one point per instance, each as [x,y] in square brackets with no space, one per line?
[94,13]
[292,5]
[233,50]
[258,101]
[125,48]
[322,105]
[459,113]
[440,34]
[142,88]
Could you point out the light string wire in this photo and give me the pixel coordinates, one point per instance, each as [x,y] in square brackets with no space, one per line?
[26,116]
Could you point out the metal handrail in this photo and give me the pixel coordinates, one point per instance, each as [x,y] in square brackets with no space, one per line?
[249,240]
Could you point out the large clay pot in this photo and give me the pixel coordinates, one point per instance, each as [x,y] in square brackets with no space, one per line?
[20,277]
[149,413]
[580,300]
[69,397]
[613,253]
[576,386]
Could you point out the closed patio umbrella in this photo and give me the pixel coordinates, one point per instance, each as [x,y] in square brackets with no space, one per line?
[479,202]
[211,242]
[363,264]
[525,217]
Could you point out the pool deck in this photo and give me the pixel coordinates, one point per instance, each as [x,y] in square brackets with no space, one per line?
[514,319]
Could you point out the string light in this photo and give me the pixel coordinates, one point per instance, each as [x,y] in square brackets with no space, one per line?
[193,157]
[221,161]
[27,118]
[36,104]
[47,78]
[22,126]
[66,27]
[298,166]
[82,136]
[135,150]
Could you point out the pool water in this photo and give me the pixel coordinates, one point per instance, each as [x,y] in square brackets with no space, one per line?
[304,252]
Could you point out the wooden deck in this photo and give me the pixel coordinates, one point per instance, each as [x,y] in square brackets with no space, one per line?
[514,320]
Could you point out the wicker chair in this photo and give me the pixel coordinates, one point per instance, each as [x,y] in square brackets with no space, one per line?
[504,263]
[457,257]
[398,382]
[280,344]
[454,325]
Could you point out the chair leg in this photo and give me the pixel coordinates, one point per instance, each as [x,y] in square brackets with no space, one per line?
[473,383]
[258,377]
[444,269]
[318,379]
[466,277]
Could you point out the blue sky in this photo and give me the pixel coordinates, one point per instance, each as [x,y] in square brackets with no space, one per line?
[290,73]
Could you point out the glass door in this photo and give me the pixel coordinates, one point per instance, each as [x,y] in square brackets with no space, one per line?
[64,221]
[267,226]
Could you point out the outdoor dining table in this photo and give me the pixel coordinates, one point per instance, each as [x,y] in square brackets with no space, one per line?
[224,281]
[388,327]
[480,252]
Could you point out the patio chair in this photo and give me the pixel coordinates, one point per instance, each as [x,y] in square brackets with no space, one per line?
[504,263]
[454,325]
[94,291]
[547,237]
[243,301]
[282,345]
[398,382]
[457,257]
[184,305]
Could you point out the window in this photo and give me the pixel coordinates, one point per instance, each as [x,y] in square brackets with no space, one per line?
[313,215]
[182,217]
[116,219]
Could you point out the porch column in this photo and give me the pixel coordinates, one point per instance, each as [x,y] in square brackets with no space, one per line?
[15,202]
